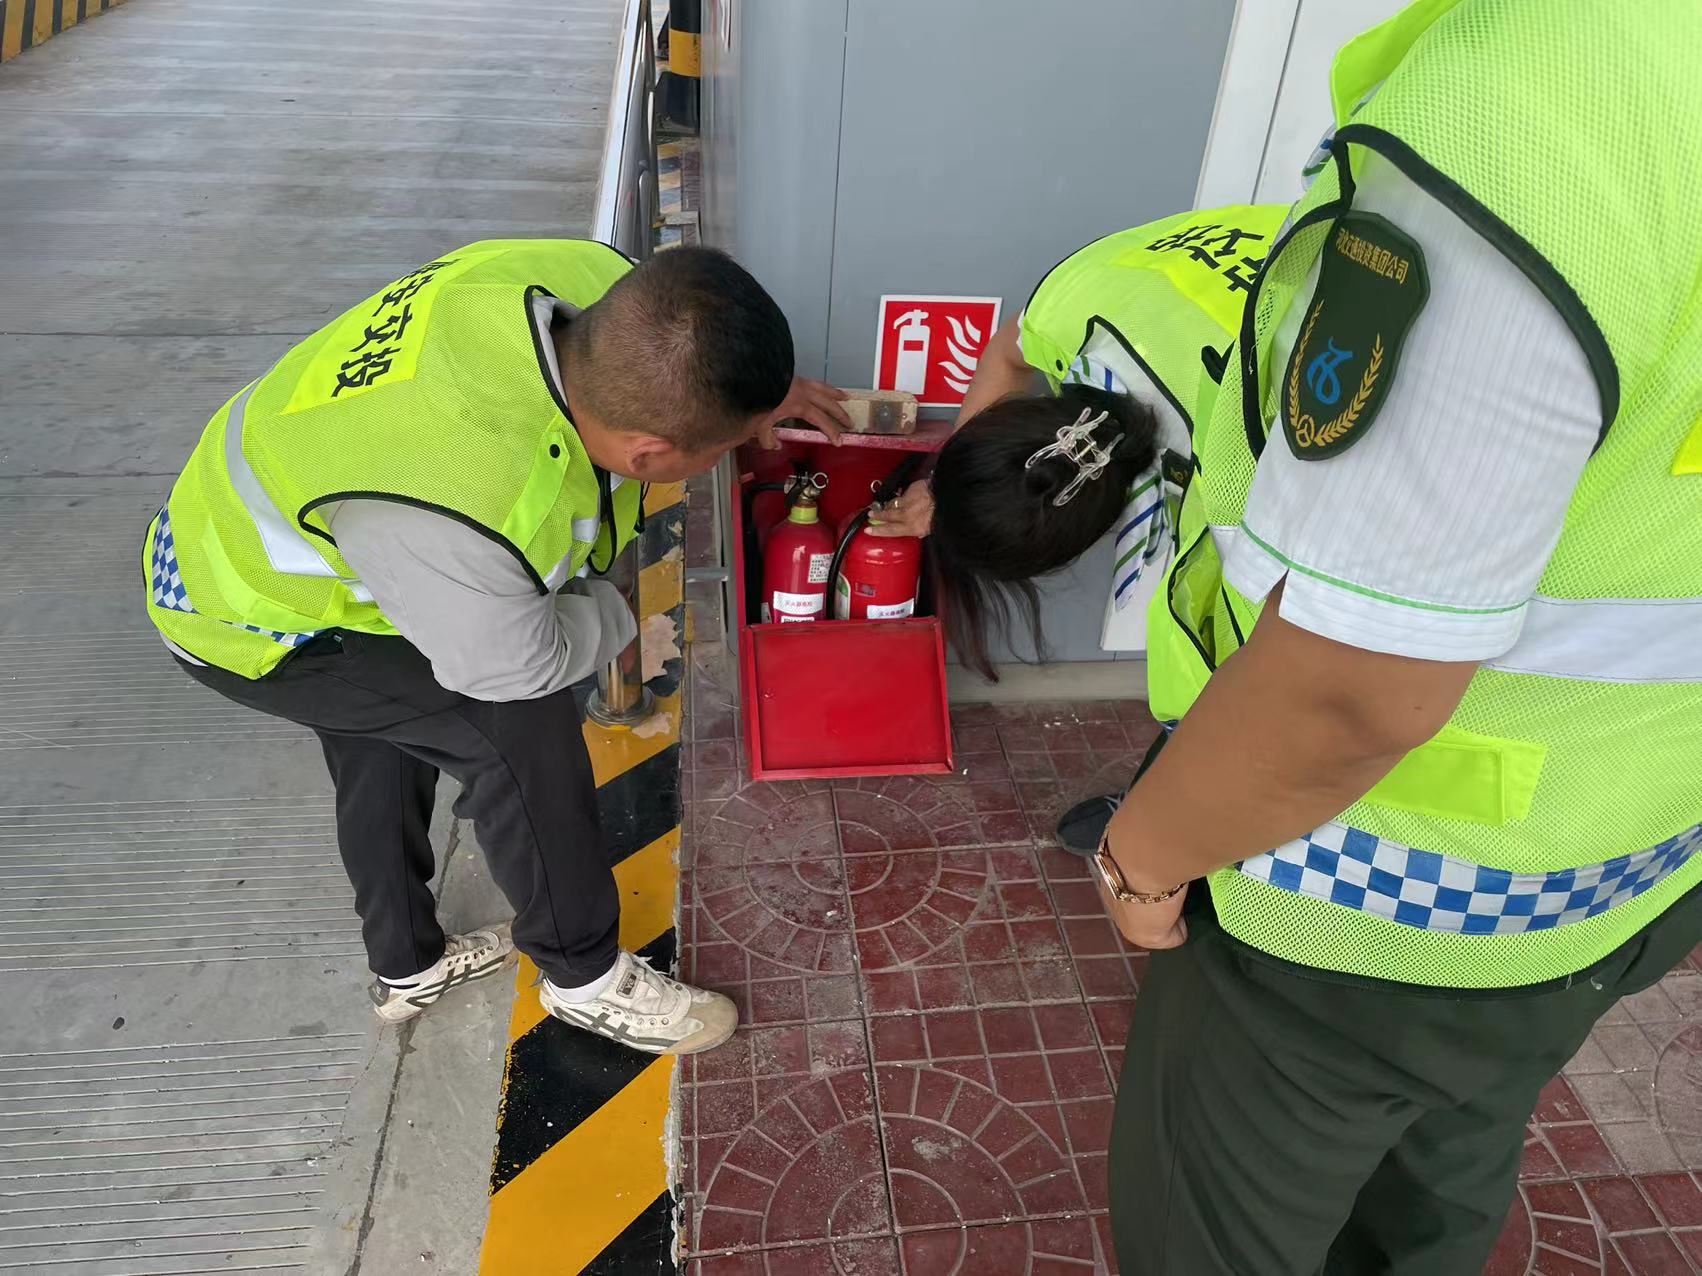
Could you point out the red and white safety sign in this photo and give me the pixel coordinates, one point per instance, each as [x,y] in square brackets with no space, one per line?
[930,346]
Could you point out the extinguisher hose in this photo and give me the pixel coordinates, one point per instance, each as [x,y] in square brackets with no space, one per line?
[884,491]
[858,521]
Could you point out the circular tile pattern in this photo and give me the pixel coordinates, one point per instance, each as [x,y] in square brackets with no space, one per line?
[766,823]
[909,905]
[958,1153]
[1564,1237]
[1512,1256]
[908,813]
[767,875]
[808,1168]
[1678,1089]
[1045,1247]
[791,915]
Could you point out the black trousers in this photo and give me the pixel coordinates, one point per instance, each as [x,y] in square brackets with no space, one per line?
[1276,1121]
[388,728]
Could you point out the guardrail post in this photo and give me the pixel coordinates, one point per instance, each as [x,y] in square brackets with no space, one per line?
[621,698]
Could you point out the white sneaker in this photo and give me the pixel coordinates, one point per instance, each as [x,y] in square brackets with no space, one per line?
[648,1011]
[465,958]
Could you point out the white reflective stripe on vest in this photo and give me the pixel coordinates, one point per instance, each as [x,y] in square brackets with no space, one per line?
[1592,639]
[1224,537]
[561,573]
[287,547]
[585,530]
[1609,640]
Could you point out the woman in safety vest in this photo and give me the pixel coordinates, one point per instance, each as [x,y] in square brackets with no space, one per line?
[1132,326]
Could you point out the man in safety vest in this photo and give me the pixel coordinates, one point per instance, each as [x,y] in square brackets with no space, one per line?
[392,537]
[1433,638]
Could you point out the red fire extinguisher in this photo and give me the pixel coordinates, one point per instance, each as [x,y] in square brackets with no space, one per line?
[878,577]
[796,563]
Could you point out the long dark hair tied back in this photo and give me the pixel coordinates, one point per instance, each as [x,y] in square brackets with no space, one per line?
[997,526]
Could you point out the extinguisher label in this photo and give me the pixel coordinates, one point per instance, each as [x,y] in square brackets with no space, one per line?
[892,611]
[819,563]
[795,606]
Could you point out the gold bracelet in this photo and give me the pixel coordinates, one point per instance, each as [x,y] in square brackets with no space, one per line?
[1111,874]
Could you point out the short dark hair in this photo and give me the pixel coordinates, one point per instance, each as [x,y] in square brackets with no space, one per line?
[687,346]
[995,525]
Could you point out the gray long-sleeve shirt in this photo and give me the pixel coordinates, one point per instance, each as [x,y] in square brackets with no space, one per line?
[470,607]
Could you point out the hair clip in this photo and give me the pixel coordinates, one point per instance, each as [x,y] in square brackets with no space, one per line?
[1078,444]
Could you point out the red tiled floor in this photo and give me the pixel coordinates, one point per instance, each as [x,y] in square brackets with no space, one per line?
[1653,1254]
[1058,1247]
[1512,1256]
[771,921]
[1676,1197]
[1565,1238]
[1619,1206]
[807,1167]
[1106,965]
[876,1256]
[960,1153]
[919,950]
[1581,1150]
[1042,1061]
[936,1011]
[911,813]
[1060,753]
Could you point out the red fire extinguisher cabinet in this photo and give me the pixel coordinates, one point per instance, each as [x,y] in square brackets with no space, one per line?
[840,698]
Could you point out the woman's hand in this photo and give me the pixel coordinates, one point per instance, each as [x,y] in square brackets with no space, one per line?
[911,514]
[814,402]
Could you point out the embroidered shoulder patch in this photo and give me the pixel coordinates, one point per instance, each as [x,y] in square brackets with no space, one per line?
[1371,286]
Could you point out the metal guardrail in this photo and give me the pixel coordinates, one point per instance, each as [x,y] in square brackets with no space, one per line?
[623,216]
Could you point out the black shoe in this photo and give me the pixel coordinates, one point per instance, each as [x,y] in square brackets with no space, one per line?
[1082,826]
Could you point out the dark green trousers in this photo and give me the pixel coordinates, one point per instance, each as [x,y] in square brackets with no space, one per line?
[1274,1120]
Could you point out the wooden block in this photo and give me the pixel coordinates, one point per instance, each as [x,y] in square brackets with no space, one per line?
[881,411]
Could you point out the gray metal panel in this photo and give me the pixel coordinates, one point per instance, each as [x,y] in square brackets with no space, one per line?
[787,138]
[718,128]
[983,142]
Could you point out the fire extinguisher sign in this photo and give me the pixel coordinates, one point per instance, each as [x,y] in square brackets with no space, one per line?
[931,346]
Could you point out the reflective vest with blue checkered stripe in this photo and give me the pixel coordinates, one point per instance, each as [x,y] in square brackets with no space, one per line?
[1560,809]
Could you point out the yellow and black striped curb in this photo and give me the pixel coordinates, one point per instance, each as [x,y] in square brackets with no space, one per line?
[27,23]
[580,1180]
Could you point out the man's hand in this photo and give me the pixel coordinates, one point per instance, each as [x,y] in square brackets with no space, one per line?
[814,402]
[1147,925]
[911,514]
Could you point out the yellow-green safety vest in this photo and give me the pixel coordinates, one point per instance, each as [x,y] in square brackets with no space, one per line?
[1558,811]
[1166,297]
[434,392]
